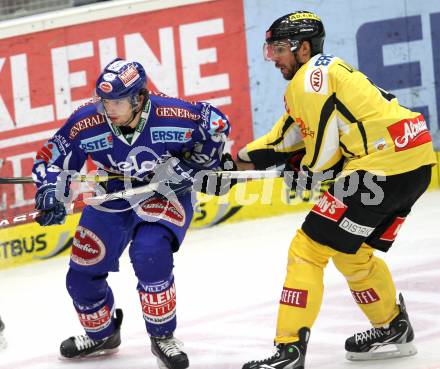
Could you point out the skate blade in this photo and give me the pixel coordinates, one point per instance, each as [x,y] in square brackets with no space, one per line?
[3,343]
[94,355]
[384,352]
[160,364]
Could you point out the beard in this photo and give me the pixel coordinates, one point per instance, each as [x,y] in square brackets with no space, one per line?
[289,71]
[289,74]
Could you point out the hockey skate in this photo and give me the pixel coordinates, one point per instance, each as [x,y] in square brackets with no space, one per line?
[287,355]
[83,346]
[395,340]
[169,353]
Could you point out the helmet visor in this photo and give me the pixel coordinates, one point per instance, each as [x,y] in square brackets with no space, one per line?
[276,49]
[112,105]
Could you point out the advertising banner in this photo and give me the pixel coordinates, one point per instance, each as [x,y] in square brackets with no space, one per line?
[196,52]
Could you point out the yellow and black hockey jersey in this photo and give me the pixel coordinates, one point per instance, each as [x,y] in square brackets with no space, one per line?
[337,113]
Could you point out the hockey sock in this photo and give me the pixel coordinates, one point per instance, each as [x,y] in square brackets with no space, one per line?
[370,283]
[303,287]
[158,301]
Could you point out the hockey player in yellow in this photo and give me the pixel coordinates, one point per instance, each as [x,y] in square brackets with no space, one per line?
[381,155]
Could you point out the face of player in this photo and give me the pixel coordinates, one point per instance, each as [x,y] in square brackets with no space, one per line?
[119,111]
[288,56]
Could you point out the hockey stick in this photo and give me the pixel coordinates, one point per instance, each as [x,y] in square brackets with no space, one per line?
[129,193]
[28,217]
[245,174]
[149,188]
[76,178]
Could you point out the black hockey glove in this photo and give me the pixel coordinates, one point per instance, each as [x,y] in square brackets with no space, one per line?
[215,183]
[296,177]
[303,182]
[52,211]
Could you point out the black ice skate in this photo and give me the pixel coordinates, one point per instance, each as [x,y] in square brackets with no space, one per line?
[83,346]
[287,355]
[383,343]
[169,353]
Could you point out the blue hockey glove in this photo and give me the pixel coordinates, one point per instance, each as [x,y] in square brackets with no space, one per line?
[52,211]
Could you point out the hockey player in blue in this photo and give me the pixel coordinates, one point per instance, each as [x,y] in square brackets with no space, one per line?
[130,132]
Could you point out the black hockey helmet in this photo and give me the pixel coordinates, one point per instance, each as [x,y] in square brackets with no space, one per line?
[298,26]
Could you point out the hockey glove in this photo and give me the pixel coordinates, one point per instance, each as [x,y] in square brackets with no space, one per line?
[303,182]
[52,211]
[299,179]
[173,177]
[215,183]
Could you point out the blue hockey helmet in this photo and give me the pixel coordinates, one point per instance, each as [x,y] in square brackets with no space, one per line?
[121,79]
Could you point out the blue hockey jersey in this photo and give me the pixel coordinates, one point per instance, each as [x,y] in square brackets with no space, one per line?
[169,127]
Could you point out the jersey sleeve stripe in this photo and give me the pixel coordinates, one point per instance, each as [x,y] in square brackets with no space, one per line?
[364,136]
[326,112]
[288,122]
[345,149]
[344,111]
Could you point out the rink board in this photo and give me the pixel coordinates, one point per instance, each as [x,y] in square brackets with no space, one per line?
[257,199]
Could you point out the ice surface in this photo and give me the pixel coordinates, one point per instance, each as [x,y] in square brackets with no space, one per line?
[229,280]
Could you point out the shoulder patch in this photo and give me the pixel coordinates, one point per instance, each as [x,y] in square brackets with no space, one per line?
[316,77]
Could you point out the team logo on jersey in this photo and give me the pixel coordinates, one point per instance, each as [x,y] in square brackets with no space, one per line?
[330,207]
[170,134]
[294,297]
[409,133]
[87,247]
[365,297]
[48,153]
[97,143]
[86,123]
[172,212]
